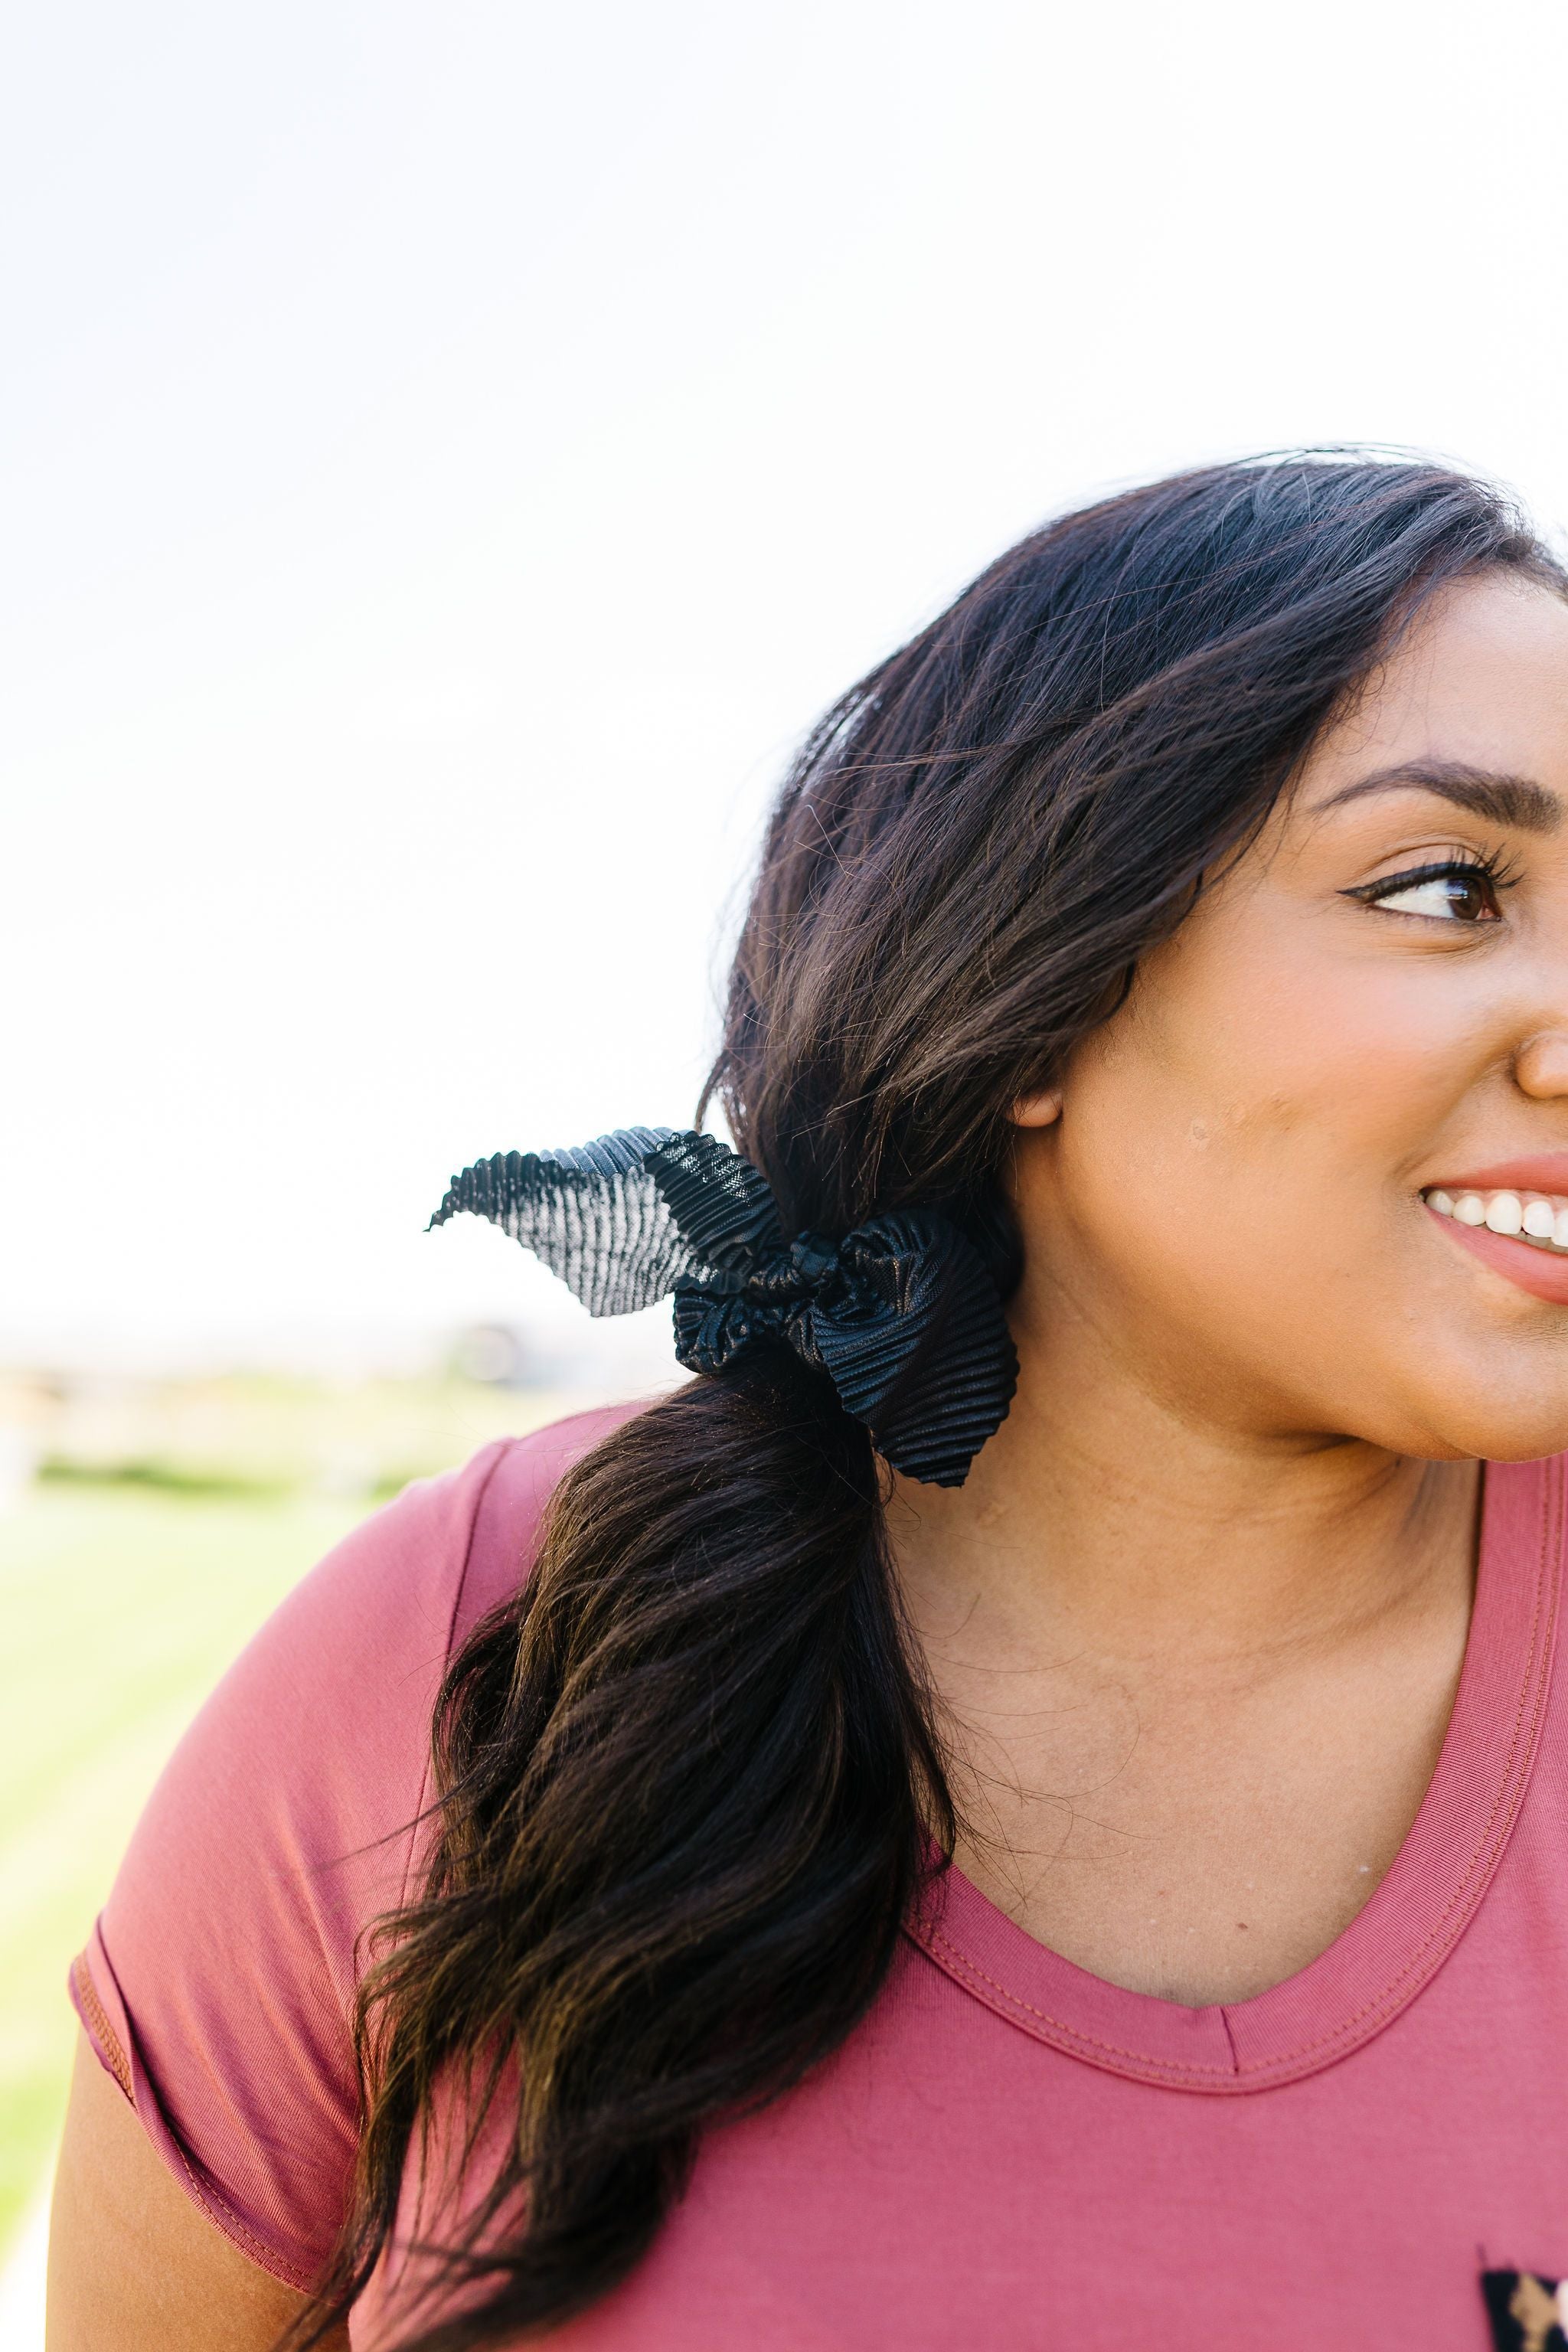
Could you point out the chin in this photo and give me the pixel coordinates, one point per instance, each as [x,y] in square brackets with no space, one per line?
[1513,1445]
[1493,1428]
[1460,1399]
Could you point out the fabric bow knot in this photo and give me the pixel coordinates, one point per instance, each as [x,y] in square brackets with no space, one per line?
[902,1315]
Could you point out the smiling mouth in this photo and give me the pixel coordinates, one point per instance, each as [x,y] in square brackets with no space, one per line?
[1538,1218]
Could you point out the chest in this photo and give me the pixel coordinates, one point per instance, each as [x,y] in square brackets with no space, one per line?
[1200,1837]
[950,2179]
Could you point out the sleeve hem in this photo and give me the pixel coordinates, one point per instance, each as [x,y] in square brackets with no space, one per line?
[106,2043]
[113,2054]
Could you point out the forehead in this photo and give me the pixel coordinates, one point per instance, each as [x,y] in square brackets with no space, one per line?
[1480,677]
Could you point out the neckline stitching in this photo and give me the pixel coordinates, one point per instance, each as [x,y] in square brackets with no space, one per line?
[1088,2041]
[1444,1933]
[1476,1875]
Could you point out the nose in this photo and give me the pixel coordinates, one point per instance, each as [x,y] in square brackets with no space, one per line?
[1540,1064]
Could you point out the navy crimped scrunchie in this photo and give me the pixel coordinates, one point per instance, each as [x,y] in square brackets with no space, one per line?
[902,1314]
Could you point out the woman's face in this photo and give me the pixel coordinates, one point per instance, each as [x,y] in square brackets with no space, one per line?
[1255,1194]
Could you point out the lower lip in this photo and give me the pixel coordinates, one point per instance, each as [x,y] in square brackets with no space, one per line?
[1532,1269]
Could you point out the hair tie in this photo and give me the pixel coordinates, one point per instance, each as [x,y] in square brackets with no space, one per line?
[902,1315]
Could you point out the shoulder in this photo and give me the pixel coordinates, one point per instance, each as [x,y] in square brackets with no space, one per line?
[336,1690]
[508,1487]
[374,1624]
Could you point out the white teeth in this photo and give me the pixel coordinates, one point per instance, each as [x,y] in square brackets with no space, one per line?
[1531,1215]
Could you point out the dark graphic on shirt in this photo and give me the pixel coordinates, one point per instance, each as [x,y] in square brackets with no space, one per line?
[1528,2314]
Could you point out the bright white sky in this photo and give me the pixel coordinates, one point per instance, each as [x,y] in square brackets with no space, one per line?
[451,452]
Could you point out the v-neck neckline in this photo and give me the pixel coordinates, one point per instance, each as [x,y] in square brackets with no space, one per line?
[1408,1925]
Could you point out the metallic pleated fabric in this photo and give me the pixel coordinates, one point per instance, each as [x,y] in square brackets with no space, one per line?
[902,1315]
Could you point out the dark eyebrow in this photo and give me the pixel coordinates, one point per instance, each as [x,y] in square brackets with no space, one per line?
[1513,801]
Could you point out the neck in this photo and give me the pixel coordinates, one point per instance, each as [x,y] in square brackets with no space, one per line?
[1103,1502]
[1190,1668]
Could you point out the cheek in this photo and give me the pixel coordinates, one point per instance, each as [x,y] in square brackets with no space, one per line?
[1286,1062]
[1270,1134]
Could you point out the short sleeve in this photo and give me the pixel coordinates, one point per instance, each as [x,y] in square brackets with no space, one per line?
[218,1985]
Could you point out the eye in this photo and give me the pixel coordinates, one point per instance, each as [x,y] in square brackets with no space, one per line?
[1451,893]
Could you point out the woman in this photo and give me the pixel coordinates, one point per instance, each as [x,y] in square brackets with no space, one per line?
[906,1859]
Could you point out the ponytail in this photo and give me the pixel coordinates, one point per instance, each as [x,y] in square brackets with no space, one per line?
[691,1783]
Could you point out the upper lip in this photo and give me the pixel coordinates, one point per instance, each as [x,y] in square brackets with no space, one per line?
[1541,1171]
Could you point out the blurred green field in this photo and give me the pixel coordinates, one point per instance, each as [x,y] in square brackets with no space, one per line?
[128,1582]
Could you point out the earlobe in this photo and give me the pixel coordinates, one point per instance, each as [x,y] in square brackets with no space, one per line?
[1038,1110]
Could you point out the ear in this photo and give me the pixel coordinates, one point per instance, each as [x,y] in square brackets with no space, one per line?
[1038,1110]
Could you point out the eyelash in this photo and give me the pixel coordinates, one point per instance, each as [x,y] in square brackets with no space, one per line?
[1492,869]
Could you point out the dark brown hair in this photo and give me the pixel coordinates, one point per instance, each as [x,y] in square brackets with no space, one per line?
[690,1779]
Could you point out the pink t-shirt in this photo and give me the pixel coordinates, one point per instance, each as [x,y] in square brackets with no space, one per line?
[1008,2155]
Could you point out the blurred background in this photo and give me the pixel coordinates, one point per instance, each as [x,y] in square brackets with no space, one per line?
[449,456]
